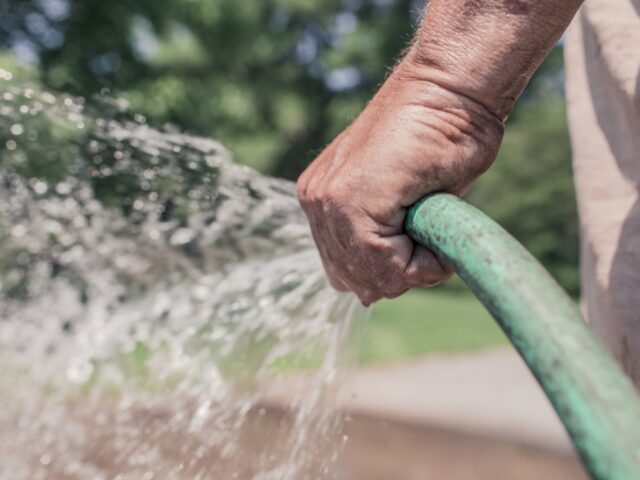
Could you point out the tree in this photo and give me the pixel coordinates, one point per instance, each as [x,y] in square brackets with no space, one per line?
[274,80]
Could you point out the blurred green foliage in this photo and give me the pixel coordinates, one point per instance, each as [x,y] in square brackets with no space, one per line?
[276,80]
[529,190]
[272,79]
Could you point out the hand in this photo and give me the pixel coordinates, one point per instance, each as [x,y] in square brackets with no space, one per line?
[414,138]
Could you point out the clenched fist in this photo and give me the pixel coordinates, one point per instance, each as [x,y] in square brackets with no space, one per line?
[415,137]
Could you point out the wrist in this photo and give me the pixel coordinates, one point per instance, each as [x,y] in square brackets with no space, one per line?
[431,110]
[495,91]
[422,84]
[487,51]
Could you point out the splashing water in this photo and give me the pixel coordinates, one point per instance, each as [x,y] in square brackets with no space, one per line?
[149,289]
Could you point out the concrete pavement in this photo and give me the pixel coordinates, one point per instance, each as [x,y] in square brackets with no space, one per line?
[488,394]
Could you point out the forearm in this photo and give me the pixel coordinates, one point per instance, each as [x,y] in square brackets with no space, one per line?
[488,50]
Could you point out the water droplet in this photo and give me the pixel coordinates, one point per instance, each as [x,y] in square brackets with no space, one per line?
[63,188]
[16,129]
[48,98]
[181,236]
[5,74]
[40,187]
[18,231]
[22,258]
[79,371]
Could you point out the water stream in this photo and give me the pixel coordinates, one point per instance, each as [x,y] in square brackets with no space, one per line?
[150,289]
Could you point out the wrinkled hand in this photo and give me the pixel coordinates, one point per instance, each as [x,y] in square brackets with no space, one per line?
[413,138]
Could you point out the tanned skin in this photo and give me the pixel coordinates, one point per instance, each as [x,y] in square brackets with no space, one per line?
[435,125]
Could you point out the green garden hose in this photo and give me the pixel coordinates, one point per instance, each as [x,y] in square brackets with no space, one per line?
[595,400]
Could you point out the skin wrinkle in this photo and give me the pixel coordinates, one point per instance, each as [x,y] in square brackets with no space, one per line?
[478,49]
[457,130]
[463,97]
[468,116]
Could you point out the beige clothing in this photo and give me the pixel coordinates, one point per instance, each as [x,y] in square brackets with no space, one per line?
[603,92]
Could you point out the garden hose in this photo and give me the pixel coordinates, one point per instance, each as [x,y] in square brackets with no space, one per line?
[594,399]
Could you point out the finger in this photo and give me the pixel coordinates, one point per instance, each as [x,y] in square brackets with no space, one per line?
[311,176]
[314,174]
[327,263]
[425,269]
[390,262]
[323,242]
[366,295]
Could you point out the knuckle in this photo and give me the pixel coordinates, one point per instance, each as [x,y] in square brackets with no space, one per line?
[414,276]
[338,189]
[386,251]
[302,184]
[332,205]
[301,191]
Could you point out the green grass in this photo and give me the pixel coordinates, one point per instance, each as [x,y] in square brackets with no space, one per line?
[423,322]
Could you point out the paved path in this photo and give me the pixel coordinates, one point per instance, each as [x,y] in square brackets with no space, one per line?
[489,394]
